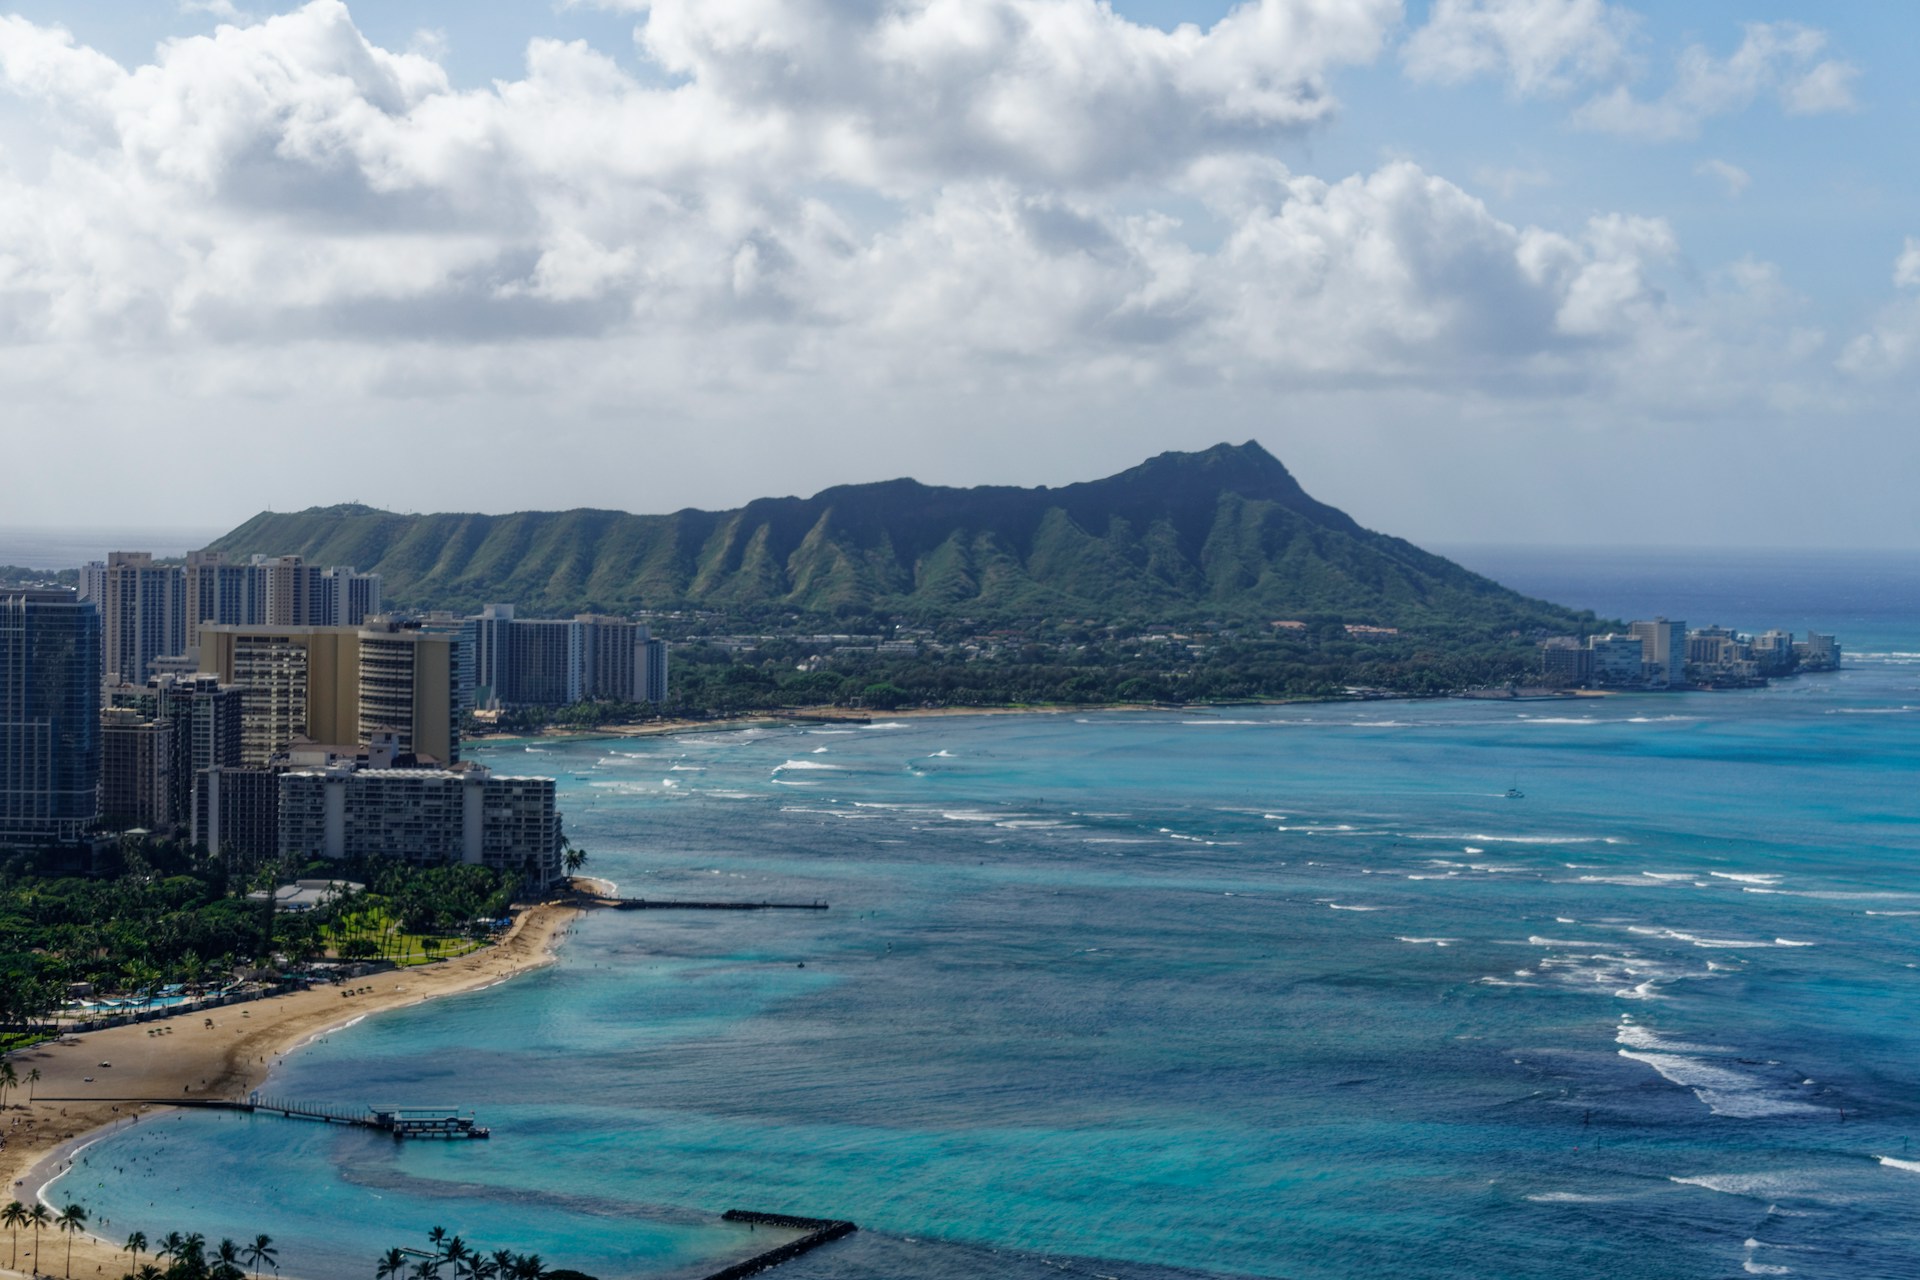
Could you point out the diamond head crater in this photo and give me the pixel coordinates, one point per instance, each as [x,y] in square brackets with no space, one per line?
[1205,576]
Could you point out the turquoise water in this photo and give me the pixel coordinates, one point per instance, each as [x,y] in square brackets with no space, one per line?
[1278,992]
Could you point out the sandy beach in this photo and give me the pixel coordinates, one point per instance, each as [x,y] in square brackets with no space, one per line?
[840,715]
[79,1099]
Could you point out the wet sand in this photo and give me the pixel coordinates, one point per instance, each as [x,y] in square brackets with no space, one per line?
[156,1062]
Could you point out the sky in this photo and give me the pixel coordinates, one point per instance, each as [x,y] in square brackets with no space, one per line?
[1479,271]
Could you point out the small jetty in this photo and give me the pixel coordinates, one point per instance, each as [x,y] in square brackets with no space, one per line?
[682,904]
[401,1122]
[819,1231]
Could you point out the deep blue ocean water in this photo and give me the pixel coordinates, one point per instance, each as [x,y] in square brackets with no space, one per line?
[1246,992]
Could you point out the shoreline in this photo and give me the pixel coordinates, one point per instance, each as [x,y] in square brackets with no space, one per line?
[78,1102]
[844,715]
[776,717]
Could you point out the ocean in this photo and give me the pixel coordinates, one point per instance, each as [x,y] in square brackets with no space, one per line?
[1236,992]
[69,548]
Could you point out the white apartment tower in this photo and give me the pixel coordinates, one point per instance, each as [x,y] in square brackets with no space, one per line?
[429,817]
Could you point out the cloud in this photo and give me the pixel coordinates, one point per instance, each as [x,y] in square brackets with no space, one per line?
[1778,59]
[800,227]
[1542,47]
[1050,90]
[291,182]
[1548,48]
[1732,175]
[1906,268]
[1893,343]
[218,8]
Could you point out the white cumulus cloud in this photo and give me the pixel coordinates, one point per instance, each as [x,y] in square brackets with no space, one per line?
[1778,59]
[859,214]
[1892,344]
[1540,46]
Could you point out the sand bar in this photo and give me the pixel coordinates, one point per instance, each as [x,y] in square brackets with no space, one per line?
[183,1057]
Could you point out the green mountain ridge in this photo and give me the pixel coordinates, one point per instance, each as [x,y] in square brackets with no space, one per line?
[1223,533]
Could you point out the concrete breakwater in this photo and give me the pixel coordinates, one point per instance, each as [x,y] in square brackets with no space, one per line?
[671,904]
[819,1231]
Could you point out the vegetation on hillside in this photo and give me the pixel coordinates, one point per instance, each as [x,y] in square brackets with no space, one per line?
[1224,534]
[1070,663]
[13,575]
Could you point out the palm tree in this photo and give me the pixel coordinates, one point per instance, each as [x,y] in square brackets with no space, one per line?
[456,1252]
[33,1078]
[228,1267]
[37,1217]
[170,1245]
[135,1243]
[576,859]
[530,1267]
[9,1080]
[425,1269]
[393,1263]
[436,1237]
[262,1253]
[503,1263]
[14,1217]
[481,1267]
[71,1220]
[192,1254]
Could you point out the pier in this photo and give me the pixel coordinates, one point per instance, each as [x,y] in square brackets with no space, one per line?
[401,1122]
[680,904]
[819,1231]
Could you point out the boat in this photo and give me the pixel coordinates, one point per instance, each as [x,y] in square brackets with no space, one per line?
[1515,793]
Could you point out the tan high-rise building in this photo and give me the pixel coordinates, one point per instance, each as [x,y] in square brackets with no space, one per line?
[1663,650]
[409,687]
[340,685]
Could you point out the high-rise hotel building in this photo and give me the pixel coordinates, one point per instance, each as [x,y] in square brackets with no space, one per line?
[430,817]
[550,662]
[49,717]
[143,613]
[340,685]
[150,611]
[278,591]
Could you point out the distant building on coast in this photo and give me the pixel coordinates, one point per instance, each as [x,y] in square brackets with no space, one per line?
[552,662]
[427,816]
[1565,661]
[1617,661]
[1663,651]
[1662,654]
[49,717]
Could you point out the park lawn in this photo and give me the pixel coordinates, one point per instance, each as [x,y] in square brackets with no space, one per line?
[390,942]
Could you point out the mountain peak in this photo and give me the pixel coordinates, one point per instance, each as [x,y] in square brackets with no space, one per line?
[1229,465]
[1220,532]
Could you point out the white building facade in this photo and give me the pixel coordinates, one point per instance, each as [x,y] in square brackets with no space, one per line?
[428,817]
